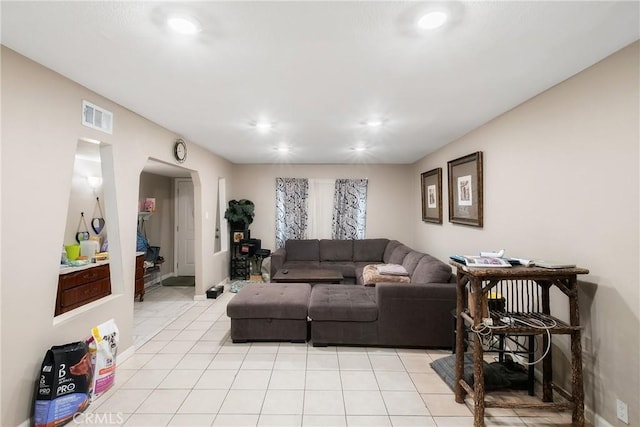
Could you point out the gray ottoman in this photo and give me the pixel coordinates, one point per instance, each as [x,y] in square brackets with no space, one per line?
[270,312]
[343,315]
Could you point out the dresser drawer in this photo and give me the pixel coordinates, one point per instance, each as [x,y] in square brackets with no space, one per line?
[92,274]
[83,294]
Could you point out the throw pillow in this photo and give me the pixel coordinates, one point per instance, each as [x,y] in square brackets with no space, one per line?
[370,276]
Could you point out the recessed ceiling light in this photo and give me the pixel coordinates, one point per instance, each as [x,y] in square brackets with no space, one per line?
[374,123]
[432,20]
[264,126]
[184,24]
[359,148]
[283,149]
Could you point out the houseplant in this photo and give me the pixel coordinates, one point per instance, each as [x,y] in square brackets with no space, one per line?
[240,214]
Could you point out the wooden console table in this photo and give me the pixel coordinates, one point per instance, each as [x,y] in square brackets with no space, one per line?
[481,281]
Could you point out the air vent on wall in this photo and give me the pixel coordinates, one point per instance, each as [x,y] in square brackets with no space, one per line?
[96,117]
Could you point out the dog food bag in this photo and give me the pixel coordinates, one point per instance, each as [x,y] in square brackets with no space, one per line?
[103,347]
[63,388]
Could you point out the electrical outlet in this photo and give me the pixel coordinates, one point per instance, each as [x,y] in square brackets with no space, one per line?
[622,411]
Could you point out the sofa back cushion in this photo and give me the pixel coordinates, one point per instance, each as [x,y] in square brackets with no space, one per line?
[303,250]
[391,246]
[369,249]
[431,270]
[411,260]
[336,250]
[398,254]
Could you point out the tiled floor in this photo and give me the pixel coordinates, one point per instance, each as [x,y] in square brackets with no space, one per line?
[190,374]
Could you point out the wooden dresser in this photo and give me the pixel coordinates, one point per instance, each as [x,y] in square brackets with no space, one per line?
[139,289]
[78,288]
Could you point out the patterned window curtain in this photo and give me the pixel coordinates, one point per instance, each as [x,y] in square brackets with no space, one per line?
[291,209]
[350,209]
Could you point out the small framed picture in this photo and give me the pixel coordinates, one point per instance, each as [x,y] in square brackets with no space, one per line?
[238,236]
[431,184]
[465,190]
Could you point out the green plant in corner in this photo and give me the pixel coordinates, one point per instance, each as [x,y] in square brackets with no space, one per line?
[240,214]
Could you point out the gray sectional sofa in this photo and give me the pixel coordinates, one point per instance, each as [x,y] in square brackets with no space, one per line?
[415,314]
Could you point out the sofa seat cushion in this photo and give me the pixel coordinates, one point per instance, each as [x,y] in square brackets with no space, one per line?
[336,250]
[431,270]
[303,250]
[347,268]
[370,250]
[371,276]
[270,301]
[341,303]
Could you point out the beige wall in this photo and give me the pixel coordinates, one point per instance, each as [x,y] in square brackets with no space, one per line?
[389,204]
[561,182]
[159,226]
[41,126]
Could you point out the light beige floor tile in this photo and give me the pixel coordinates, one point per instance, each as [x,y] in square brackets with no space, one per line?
[368,421]
[412,421]
[151,347]
[352,361]
[386,362]
[321,350]
[192,420]
[163,361]
[195,361]
[363,402]
[230,348]
[264,347]
[125,401]
[324,420]
[219,336]
[453,421]
[226,361]
[290,347]
[280,420]
[213,379]
[429,383]
[359,380]
[177,325]
[445,405]
[392,380]
[503,421]
[153,420]
[419,364]
[146,378]
[251,380]
[381,350]
[287,380]
[289,362]
[323,402]
[181,379]
[189,335]
[411,351]
[166,335]
[162,402]
[317,361]
[208,347]
[203,402]
[404,403]
[177,347]
[283,402]
[88,419]
[231,420]
[136,361]
[243,402]
[199,325]
[259,361]
[323,380]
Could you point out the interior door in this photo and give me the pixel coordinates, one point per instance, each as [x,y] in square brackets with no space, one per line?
[185,229]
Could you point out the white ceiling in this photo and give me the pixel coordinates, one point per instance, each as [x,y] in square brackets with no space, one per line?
[318,70]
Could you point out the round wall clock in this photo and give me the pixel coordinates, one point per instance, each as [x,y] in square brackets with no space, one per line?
[180,150]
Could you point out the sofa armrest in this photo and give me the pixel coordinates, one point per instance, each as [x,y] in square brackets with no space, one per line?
[415,314]
[278,258]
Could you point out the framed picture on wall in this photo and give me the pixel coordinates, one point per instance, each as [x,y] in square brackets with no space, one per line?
[431,184]
[465,190]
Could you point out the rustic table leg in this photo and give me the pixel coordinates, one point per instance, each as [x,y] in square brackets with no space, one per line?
[478,371]
[547,362]
[458,390]
[577,387]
